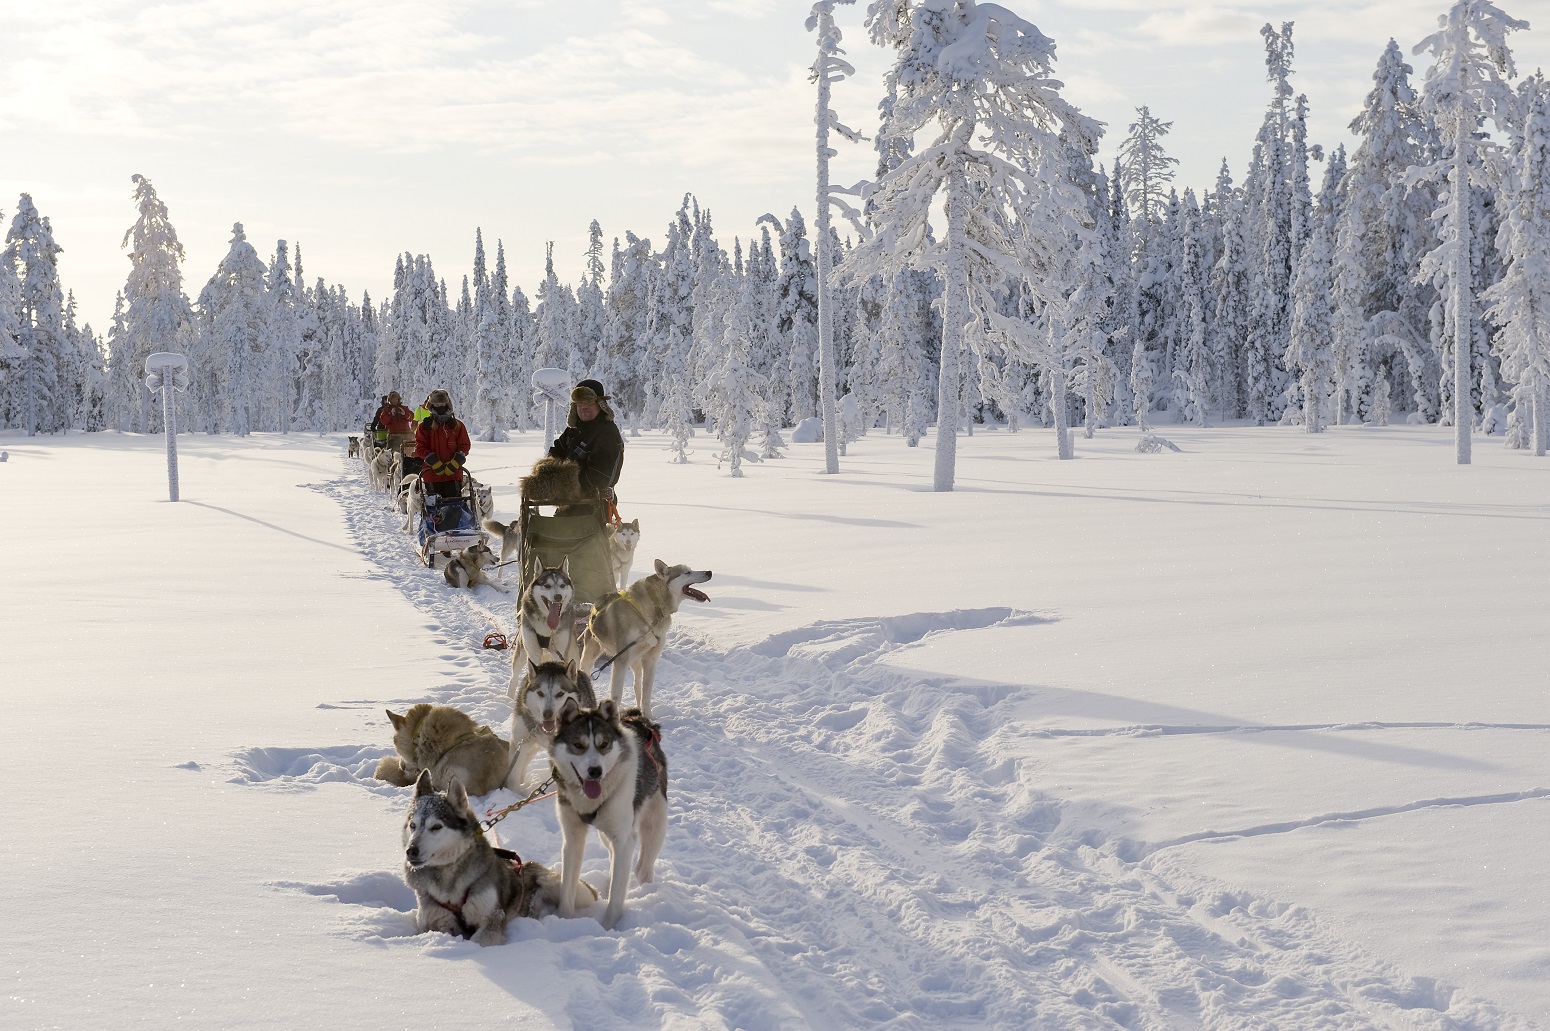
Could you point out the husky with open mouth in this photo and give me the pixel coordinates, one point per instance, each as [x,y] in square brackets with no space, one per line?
[545,689]
[610,773]
[630,627]
[547,621]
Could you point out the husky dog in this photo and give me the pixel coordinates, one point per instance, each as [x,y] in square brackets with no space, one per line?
[378,462]
[622,542]
[353,450]
[441,741]
[543,693]
[631,627]
[467,569]
[464,885]
[547,618]
[553,481]
[411,499]
[484,498]
[510,535]
[612,775]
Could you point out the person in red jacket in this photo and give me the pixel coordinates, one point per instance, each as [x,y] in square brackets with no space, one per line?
[395,417]
[442,444]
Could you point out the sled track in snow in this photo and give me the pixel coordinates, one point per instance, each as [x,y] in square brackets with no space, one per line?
[853,833]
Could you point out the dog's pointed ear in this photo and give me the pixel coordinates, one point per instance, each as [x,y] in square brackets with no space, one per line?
[635,524]
[532,667]
[572,667]
[397,720]
[565,565]
[608,710]
[422,784]
[569,709]
[538,566]
[660,566]
[457,794]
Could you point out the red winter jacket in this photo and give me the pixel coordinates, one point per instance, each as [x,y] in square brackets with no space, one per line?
[395,418]
[436,443]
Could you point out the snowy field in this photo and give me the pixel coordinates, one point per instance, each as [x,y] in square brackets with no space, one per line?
[1253,735]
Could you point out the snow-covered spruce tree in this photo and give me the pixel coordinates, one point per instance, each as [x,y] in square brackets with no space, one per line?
[673,334]
[556,317]
[1272,237]
[1465,86]
[292,374]
[1192,360]
[621,364]
[711,297]
[522,343]
[981,76]
[1230,281]
[766,359]
[1311,353]
[232,314]
[1520,301]
[729,392]
[1379,238]
[31,397]
[1144,169]
[156,316]
[487,326]
[797,289]
[590,314]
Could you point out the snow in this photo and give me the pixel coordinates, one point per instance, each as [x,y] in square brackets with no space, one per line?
[1251,734]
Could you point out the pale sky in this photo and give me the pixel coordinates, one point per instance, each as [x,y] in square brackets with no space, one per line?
[365,128]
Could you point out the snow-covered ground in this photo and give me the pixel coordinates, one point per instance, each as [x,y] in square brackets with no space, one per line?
[1251,735]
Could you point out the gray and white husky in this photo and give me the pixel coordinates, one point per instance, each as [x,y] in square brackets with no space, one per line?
[631,626]
[622,542]
[467,569]
[463,884]
[535,717]
[610,774]
[546,620]
[510,535]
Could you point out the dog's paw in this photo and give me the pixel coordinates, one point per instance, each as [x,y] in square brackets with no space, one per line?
[391,769]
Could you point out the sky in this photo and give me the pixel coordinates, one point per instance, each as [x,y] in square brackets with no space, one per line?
[362,129]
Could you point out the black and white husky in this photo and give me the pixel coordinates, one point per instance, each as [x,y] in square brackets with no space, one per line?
[610,774]
[535,717]
[464,885]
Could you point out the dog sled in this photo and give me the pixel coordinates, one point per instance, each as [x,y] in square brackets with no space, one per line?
[448,525]
[575,527]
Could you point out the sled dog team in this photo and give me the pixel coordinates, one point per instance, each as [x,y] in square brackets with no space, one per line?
[607,763]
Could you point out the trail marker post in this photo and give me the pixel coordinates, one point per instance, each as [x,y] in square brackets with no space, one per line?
[167,372]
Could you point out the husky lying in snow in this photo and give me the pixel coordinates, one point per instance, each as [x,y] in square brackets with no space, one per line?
[622,542]
[467,569]
[464,885]
[631,627]
[544,691]
[445,743]
[610,774]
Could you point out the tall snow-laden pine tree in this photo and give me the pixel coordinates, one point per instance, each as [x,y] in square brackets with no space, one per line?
[1520,301]
[233,314]
[797,289]
[1465,86]
[156,316]
[1381,309]
[1311,353]
[32,398]
[673,334]
[982,77]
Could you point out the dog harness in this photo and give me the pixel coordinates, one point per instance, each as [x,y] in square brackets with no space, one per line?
[464,928]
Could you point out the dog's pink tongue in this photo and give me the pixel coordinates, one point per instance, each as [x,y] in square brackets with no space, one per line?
[592,788]
[554,616]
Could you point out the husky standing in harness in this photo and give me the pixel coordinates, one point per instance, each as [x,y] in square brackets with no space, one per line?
[610,773]
[631,627]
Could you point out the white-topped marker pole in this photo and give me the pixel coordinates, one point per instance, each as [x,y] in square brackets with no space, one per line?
[167,372]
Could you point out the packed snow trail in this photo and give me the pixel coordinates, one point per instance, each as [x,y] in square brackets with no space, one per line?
[855,835]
